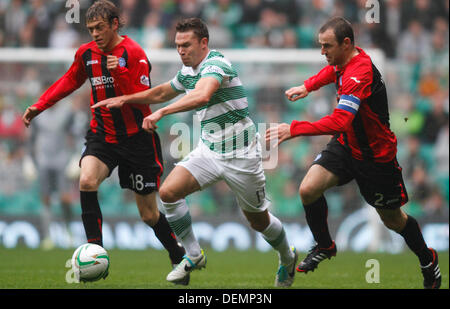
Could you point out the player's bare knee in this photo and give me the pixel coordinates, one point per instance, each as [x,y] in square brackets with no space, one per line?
[88,184]
[390,225]
[308,193]
[393,220]
[167,195]
[150,217]
[393,223]
[258,226]
[258,221]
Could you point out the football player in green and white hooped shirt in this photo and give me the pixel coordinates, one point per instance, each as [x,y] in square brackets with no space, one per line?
[228,149]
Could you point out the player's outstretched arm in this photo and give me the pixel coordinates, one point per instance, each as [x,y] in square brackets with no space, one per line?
[296,93]
[68,83]
[160,94]
[200,96]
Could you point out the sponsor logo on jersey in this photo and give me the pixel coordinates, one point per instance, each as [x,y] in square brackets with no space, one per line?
[91,62]
[101,80]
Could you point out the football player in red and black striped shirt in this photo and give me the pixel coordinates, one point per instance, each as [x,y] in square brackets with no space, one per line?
[114,65]
[362,148]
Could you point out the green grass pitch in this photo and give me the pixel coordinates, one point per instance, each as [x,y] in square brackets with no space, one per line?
[23,268]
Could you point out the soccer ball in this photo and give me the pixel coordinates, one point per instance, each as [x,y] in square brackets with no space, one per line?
[90,262]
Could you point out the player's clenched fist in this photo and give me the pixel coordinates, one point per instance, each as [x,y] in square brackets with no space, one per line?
[278,134]
[296,93]
[112,62]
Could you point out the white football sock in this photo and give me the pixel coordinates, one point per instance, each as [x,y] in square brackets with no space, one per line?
[275,235]
[179,218]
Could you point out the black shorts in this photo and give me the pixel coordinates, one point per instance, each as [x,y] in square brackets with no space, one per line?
[139,159]
[381,184]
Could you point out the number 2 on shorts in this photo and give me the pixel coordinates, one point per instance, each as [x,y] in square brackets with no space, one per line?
[379,202]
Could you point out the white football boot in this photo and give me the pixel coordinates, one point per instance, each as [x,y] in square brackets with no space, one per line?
[184,268]
[286,273]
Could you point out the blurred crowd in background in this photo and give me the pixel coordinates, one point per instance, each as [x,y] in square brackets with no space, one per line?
[413,34]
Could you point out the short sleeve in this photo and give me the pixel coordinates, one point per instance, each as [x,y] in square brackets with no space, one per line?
[176,85]
[213,71]
[218,68]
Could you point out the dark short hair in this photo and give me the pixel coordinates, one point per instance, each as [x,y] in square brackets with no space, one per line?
[104,9]
[193,24]
[342,29]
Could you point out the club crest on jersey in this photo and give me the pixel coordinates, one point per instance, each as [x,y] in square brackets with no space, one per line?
[122,62]
[145,80]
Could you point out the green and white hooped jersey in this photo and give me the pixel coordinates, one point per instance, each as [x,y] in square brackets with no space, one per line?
[226,128]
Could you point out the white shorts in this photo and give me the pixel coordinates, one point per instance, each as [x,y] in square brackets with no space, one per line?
[244,176]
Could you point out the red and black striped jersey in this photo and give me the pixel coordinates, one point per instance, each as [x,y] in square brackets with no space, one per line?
[132,75]
[360,120]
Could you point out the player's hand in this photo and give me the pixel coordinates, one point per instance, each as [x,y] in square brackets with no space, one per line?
[278,134]
[116,102]
[296,93]
[29,114]
[149,122]
[111,62]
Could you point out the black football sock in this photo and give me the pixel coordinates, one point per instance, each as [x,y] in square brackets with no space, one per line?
[92,217]
[168,239]
[316,217]
[414,239]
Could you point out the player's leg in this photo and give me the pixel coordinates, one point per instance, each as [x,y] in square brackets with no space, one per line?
[318,179]
[393,219]
[246,179]
[93,172]
[273,232]
[382,186]
[150,214]
[179,184]
[250,194]
[197,171]
[405,225]
[140,169]
[329,169]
